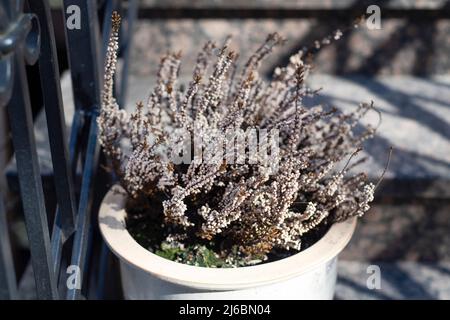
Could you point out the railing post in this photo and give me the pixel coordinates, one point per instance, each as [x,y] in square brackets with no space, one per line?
[24,46]
[83,45]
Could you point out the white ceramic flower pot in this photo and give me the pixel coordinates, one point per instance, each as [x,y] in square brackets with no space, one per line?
[310,274]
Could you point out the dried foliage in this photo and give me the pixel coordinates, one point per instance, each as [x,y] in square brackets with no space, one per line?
[240,206]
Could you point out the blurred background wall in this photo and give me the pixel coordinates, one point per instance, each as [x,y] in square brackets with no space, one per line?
[413,39]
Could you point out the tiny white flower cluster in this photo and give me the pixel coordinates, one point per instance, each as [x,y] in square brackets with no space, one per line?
[367,197]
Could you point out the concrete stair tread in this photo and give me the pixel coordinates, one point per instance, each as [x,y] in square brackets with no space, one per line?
[399,280]
[415,122]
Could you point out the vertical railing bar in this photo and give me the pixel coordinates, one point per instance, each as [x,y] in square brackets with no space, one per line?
[51,91]
[103,262]
[89,254]
[21,124]
[78,123]
[57,241]
[8,286]
[81,236]
[132,12]
[84,57]
[58,236]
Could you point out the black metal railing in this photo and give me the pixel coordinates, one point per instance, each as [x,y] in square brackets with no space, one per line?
[26,38]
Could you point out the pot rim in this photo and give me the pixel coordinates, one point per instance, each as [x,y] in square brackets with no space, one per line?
[112,226]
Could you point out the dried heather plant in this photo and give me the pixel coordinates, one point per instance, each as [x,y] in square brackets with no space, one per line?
[243,208]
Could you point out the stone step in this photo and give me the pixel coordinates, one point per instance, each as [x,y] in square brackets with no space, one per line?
[400,280]
[415,122]
[408,230]
[410,45]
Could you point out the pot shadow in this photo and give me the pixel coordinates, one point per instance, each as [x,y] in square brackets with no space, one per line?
[112,223]
[352,285]
[403,285]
